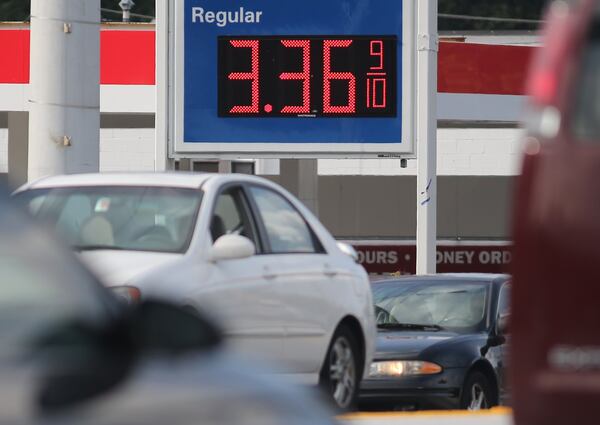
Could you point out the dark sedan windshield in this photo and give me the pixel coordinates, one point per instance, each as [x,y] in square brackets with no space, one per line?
[455,305]
[117,217]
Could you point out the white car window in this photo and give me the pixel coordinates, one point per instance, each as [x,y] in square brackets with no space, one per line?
[136,218]
[286,229]
[227,211]
[232,215]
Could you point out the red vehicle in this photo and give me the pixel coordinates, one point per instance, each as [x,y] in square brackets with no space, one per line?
[555,356]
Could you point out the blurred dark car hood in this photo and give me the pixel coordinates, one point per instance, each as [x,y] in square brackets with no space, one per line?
[403,344]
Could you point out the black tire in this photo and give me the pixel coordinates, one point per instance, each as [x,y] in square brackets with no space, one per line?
[477,392]
[341,372]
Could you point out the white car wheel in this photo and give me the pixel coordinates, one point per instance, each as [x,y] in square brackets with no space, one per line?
[340,376]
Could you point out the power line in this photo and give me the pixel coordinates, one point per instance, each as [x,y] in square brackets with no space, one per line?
[441,15]
[487,18]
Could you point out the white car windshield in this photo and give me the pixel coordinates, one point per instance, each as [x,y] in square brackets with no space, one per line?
[118,217]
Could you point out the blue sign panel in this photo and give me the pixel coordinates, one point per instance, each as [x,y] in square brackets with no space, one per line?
[310,71]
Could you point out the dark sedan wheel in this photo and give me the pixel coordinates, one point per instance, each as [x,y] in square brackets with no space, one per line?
[477,392]
[340,375]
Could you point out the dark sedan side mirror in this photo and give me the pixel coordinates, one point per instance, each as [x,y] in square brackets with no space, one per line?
[82,361]
[501,330]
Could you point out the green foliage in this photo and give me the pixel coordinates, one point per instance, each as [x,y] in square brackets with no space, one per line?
[528,9]
[14,10]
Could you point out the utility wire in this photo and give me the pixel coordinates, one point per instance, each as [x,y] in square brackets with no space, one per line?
[440,15]
[487,18]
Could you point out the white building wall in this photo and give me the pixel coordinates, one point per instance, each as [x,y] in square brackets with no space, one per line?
[120,149]
[531,38]
[461,152]
[126,149]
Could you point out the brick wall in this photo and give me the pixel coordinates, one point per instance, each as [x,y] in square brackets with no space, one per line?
[461,152]
[126,149]
[121,149]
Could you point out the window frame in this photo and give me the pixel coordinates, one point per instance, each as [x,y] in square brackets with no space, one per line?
[318,247]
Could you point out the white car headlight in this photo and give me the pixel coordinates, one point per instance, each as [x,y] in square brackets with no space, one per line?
[128,294]
[396,368]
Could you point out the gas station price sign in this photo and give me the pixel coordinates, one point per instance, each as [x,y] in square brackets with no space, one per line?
[291,79]
[307,76]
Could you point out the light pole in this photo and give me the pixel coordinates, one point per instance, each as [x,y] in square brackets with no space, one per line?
[126,6]
[64,88]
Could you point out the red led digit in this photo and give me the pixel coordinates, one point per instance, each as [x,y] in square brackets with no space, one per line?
[304,76]
[376,48]
[328,76]
[376,98]
[382,104]
[251,76]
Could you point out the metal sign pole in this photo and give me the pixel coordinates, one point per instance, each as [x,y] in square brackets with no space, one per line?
[427,49]
[161,162]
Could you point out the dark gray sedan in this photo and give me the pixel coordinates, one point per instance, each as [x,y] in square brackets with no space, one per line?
[441,342]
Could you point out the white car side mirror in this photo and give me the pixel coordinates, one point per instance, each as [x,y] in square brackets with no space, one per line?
[232,247]
[348,250]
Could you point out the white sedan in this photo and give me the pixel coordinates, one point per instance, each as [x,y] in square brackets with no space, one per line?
[238,246]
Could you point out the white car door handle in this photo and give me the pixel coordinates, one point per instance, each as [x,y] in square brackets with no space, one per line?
[268,273]
[329,271]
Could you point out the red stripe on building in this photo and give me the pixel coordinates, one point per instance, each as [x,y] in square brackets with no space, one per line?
[128,57]
[14,56]
[482,68]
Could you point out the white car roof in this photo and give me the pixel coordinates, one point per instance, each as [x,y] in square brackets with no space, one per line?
[169,179]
